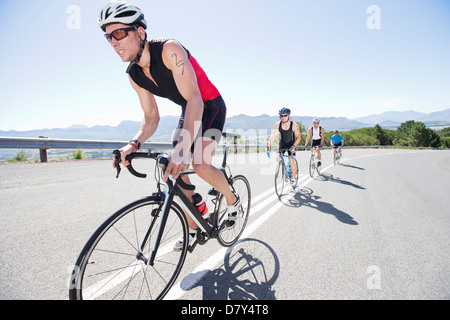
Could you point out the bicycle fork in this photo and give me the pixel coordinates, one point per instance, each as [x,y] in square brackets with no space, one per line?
[163,214]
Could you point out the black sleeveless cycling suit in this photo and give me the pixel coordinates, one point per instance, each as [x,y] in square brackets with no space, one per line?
[214,112]
[287,138]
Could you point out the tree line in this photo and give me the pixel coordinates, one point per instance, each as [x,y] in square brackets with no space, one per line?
[408,134]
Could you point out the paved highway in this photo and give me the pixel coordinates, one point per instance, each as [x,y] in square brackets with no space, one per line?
[374,227]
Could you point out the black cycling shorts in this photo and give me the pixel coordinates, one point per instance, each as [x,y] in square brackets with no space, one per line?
[337,145]
[282,148]
[213,122]
[316,143]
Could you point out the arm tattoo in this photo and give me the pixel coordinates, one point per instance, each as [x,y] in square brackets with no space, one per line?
[179,64]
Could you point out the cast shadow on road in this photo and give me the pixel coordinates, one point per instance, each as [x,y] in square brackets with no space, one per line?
[331,178]
[350,166]
[304,197]
[249,271]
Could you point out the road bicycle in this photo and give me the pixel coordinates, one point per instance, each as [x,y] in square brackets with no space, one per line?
[284,174]
[132,256]
[337,156]
[314,162]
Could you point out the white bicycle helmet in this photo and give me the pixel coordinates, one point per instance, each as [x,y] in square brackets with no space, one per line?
[316,120]
[121,12]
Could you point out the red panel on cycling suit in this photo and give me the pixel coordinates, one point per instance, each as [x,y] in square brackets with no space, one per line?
[207,89]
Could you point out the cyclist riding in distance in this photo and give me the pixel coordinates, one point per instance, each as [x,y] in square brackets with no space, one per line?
[290,137]
[166,69]
[317,133]
[337,141]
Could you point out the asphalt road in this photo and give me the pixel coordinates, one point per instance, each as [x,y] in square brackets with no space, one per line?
[374,227]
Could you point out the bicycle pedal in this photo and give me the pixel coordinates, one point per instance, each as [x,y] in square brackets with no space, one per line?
[213,192]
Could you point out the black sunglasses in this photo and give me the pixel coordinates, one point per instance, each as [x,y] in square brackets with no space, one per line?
[118,34]
[284,115]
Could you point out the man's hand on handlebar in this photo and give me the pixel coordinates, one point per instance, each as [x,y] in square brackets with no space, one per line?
[178,162]
[174,168]
[125,151]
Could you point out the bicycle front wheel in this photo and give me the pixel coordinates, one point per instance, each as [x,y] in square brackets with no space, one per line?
[279,178]
[312,166]
[113,264]
[294,182]
[228,237]
[318,168]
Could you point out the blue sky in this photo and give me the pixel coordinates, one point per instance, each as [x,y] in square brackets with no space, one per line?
[317,57]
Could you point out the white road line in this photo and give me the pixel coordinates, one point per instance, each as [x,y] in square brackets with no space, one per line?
[189,281]
[196,275]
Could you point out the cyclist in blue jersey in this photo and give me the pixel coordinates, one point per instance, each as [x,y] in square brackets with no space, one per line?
[337,141]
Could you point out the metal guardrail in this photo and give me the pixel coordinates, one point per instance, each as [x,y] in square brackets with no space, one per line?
[44,144]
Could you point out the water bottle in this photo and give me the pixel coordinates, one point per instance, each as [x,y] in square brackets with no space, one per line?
[289,169]
[200,204]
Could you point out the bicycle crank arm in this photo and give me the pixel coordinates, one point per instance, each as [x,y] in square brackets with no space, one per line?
[192,247]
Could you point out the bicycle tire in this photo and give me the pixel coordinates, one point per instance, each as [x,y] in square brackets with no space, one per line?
[279,178]
[228,237]
[311,166]
[294,185]
[108,266]
[337,157]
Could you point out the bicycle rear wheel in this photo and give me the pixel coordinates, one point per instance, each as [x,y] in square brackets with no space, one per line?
[228,237]
[279,178]
[111,265]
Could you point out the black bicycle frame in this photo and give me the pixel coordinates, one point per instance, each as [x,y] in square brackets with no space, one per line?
[173,189]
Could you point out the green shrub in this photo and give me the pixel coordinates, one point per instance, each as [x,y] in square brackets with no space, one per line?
[21,156]
[78,155]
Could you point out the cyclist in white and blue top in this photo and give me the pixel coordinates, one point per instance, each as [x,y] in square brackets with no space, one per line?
[317,133]
[337,141]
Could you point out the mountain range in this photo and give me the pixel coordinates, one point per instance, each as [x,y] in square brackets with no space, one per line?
[394,118]
[240,123]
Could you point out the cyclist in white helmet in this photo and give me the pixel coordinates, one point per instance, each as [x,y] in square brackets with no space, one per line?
[166,69]
[318,136]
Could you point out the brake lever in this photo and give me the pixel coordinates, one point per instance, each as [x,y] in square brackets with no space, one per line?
[163,163]
[116,155]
